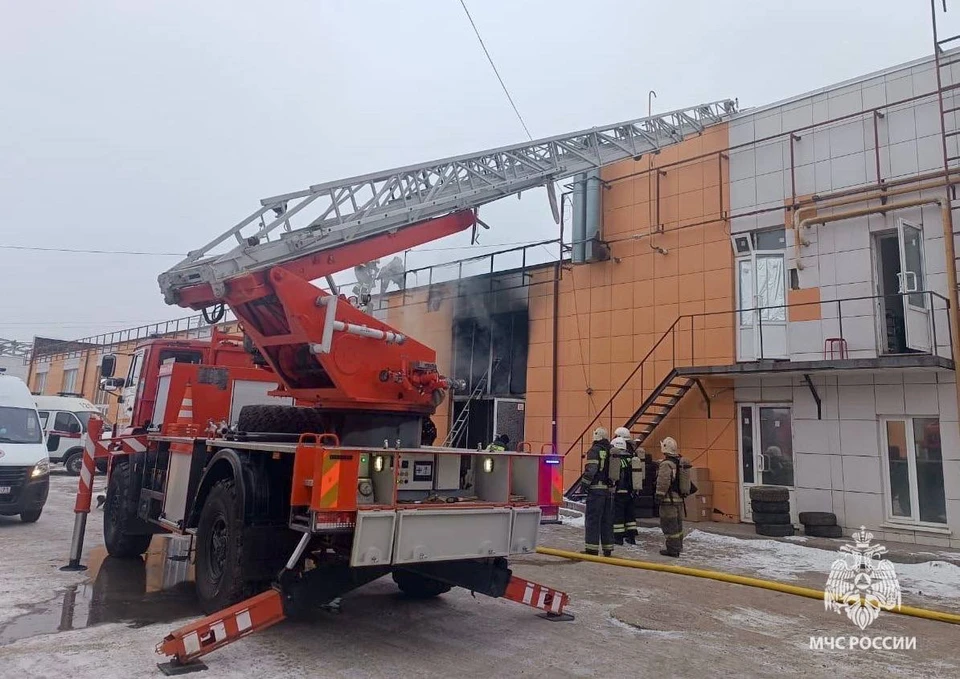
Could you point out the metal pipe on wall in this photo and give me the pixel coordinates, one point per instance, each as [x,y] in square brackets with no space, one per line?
[578,255]
[593,212]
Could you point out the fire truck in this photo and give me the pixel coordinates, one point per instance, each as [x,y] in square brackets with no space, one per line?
[294,455]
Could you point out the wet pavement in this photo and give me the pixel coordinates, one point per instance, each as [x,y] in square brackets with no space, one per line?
[153,589]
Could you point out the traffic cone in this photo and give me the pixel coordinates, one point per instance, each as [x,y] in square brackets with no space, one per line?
[185,416]
[185,425]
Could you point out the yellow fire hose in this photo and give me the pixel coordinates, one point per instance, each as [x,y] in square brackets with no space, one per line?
[939,616]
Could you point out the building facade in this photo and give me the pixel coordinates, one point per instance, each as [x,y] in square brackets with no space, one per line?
[778,294]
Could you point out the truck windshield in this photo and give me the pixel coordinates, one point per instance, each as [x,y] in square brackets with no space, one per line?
[19,425]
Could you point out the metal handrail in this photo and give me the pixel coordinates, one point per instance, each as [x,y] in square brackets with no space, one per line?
[671,332]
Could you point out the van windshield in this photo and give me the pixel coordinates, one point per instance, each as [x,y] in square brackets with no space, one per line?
[19,425]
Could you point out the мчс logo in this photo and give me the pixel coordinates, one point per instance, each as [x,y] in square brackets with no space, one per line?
[860,582]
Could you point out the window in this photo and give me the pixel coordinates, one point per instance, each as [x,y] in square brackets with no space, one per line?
[101,398]
[770,288]
[745,274]
[39,382]
[67,422]
[44,418]
[19,425]
[69,381]
[915,470]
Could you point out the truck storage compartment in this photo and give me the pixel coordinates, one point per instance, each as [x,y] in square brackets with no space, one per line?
[445,534]
[373,538]
[524,478]
[525,529]
[491,477]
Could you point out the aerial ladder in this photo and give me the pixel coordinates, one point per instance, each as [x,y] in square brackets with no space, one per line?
[361,372]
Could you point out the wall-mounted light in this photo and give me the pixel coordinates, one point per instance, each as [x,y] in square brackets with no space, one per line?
[488,464]
[378,463]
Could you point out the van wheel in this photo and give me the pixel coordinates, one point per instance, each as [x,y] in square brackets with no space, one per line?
[417,586]
[119,512]
[74,463]
[220,577]
[31,516]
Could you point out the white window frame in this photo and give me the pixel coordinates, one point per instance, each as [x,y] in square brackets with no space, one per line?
[913,520]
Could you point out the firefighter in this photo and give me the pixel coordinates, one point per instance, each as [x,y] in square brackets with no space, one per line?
[499,444]
[598,528]
[673,484]
[624,514]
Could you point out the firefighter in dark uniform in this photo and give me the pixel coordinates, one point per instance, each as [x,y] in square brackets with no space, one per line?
[624,512]
[669,497]
[598,527]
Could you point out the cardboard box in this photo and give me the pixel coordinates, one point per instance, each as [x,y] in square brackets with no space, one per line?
[699,475]
[699,508]
[704,487]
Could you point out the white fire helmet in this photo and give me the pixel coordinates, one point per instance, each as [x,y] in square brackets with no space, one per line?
[619,443]
[622,432]
[599,433]
[668,446]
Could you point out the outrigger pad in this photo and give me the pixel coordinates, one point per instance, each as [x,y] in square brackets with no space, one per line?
[173,668]
[554,617]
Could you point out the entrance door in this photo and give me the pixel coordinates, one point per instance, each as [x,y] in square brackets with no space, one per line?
[766,452]
[762,319]
[911,279]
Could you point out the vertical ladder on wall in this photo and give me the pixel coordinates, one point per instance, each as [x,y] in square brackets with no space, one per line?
[948,98]
[460,424]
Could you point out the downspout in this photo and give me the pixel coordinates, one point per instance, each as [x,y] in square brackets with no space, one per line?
[555,396]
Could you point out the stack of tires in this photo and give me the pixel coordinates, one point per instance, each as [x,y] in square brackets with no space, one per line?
[820,524]
[771,511]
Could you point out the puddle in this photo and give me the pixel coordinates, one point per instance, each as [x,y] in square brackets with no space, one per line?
[155,588]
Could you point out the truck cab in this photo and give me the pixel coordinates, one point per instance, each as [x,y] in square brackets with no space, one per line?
[137,390]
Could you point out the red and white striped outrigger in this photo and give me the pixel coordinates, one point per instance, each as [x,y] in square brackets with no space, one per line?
[95,449]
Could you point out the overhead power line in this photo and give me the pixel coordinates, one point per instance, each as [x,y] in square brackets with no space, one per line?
[494,67]
[82,251]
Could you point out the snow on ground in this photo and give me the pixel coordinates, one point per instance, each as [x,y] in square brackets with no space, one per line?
[790,561]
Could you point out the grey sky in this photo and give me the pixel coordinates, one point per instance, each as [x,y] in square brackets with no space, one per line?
[155,126]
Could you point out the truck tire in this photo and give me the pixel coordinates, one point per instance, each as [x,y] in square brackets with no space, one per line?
[220,576]
[771,518]
[73,462]
[272,419]
[816,531]
[774,530]
[119,513]
[818,518]
[770,494]
[772,507]
[417,586]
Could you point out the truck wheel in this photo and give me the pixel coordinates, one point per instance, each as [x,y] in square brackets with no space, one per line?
[417,586]
[31,516]
[219,564]
[282,420]
[74,463]
[119,512]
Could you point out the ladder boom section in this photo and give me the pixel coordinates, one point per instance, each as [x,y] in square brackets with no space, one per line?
[293,226]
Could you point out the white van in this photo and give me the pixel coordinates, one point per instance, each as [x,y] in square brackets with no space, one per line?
[24,465]
[64,420]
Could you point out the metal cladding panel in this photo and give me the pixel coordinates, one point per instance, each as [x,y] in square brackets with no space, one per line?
[441,535]
[178,483]
[373,538]
[526,528]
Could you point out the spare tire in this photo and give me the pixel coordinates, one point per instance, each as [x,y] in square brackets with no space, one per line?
[823,531]
[774,530]
[771,507]
[770,494]
[283,420]
[818,518]
[768,518]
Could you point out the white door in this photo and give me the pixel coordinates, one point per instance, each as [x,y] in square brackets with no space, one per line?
[766,452]
[912,280]
[761,295]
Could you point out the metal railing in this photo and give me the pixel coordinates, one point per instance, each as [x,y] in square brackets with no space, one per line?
[678,347]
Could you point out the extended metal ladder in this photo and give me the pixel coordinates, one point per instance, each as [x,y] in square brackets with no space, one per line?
[292,226]
[453,436]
